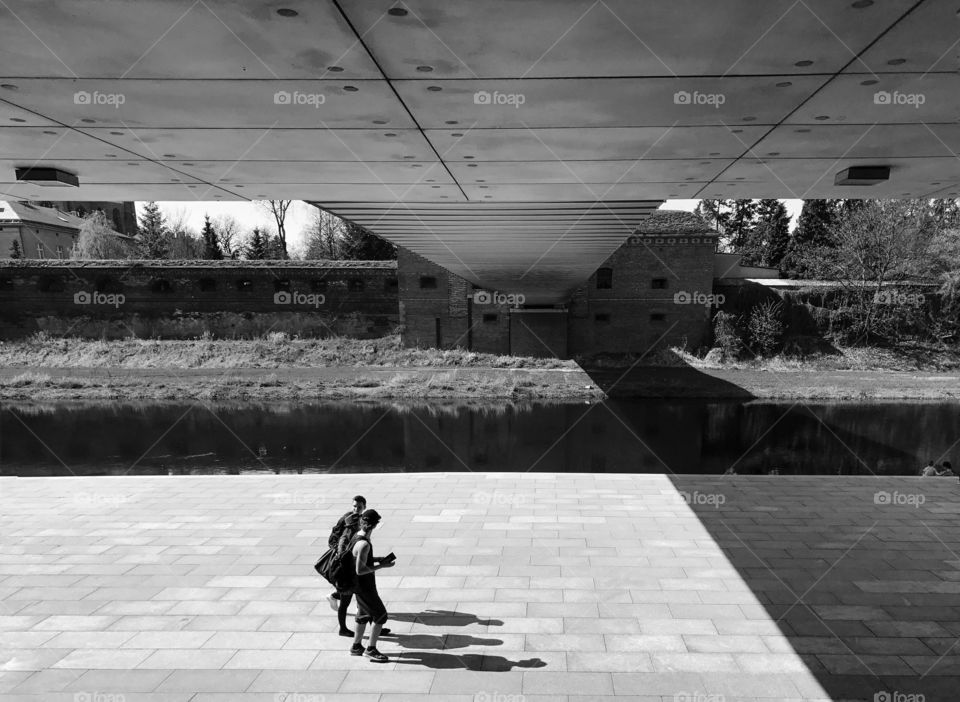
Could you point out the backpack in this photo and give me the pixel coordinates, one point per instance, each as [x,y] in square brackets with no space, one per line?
[338,566]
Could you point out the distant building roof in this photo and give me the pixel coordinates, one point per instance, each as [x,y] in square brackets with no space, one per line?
[27,212]
[163,263]
[661,222]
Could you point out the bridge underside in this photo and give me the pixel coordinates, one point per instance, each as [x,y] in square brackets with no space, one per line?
[515,142]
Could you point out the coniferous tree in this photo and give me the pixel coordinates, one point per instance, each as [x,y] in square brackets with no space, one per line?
[815,230]
[15,251]
[211,245]
[772,231]
[256,249]
[153,233]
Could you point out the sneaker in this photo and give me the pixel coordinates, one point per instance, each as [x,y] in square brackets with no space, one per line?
[346,632]
[333,602]
[374,655]
[356,650]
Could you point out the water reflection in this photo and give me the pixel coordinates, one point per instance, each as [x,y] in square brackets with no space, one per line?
[621,436]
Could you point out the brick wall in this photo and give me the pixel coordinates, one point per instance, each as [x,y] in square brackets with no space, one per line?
[650,276]
[541,333]
[434,309]
[185,299]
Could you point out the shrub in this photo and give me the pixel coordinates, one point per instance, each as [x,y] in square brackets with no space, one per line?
[725,335]
[765,326]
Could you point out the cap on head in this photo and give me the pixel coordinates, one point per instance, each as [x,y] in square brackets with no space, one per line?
[371,517]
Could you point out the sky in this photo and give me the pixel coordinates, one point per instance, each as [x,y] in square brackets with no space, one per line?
[298,216]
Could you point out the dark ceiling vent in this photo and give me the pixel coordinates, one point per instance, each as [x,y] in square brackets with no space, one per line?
[47,177]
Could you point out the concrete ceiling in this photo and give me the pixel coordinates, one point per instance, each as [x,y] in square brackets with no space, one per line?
[589,115]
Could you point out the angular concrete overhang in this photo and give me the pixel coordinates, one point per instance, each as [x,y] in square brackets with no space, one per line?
[516,141]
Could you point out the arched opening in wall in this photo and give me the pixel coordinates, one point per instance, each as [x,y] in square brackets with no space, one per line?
[356,285]
[281,285]
[245,284]
[108,285]
[161,285]
[604,278]
[207,284]
[318,285]
[50,283]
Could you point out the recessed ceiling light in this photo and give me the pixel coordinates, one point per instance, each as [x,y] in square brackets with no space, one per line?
[425,69]
[17,119]
[801,131]
[749,119]
[468,157]
[452,121]
[110,155]
[456,134]
[381,121]
[784,84]
[705,163]
[860,4]
[488,196]
[431,180]
[9,86]
[896,62]
[773,153]
[803,64]
[132,163]
[389,134]
[350,88]
[287,12]
[335,69]
[238,186]
[737,131]
[444,196]
[416,165]
[87,120]
[690,178]
[408,156]
[434,88]
[714,153]
[434,186]
[187,164]
[484,187]
[47,131]
[397,12]
[870,81]
[117,133]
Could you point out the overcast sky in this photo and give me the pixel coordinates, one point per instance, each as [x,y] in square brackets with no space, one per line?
[298,216]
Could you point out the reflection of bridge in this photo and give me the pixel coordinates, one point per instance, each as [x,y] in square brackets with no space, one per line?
[517,144]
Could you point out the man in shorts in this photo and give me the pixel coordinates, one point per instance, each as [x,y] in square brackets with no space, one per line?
[370,608]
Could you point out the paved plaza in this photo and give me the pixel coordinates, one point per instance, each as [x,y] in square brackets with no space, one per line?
[508,587]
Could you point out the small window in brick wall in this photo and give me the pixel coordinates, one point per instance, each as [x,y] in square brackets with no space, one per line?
[318,285]
[490,317]
[356,285]
[161,285]
[428,282]
[108,285]
[207,284]
[658,317]
[390,284]
[659,283]
[601,317]
[50,283]
[604,278]
[245,284]
[281,286]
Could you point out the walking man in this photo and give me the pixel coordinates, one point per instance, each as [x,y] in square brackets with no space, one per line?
[370,608]
[334,598]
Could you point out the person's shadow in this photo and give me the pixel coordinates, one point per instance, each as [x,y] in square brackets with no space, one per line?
[466,661]
[444,617]
[445,642]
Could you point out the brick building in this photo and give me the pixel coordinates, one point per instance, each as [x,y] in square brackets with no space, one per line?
[656,289]
[122,216]
[40,232]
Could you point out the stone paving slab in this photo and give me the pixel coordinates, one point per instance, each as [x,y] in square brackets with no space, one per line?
[508,587]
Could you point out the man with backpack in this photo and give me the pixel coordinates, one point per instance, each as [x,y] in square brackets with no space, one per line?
[370,607]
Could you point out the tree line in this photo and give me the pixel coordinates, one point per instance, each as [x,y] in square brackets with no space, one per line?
[224,237]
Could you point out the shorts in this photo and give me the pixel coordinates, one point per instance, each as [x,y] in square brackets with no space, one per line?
[370,607]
